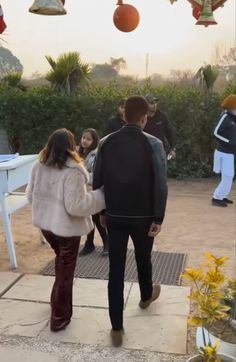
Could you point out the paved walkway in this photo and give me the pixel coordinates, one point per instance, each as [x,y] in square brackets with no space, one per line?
[157,334]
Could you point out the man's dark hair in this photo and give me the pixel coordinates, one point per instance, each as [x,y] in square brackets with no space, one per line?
[135,108]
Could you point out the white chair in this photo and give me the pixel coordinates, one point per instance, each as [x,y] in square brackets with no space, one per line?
[13,175]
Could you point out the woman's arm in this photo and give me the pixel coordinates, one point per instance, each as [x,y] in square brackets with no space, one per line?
[78,201]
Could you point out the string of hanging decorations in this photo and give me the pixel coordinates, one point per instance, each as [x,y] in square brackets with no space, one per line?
[126,17]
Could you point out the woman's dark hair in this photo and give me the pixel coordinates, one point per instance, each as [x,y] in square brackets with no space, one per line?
[61,145]
[135,108]
[84,152]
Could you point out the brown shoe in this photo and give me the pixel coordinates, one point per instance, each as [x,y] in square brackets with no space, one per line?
[155,294]
[117,337]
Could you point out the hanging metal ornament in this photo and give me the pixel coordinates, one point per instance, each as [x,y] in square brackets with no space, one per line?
[206,17]
[48,7]
[126,17]
[203,10]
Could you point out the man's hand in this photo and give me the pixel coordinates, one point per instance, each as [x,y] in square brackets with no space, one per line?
[103,221]
[172,153]
[154,230]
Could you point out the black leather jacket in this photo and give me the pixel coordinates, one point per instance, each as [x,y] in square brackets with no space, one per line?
[131,165]
[225,133]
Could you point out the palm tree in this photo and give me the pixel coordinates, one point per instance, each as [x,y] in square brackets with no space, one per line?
[207,76]
[67,72]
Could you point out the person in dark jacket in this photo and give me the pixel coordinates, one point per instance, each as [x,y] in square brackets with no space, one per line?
[131,165]
[159,126]
[225,133]
[118,121]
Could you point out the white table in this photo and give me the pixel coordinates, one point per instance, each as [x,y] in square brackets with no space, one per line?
[13,175]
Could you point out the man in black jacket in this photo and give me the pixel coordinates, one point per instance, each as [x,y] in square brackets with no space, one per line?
[225,133]
[132,167]
[118,121]
[159,126]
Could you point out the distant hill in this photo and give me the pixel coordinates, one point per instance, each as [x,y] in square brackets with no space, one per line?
[8,62]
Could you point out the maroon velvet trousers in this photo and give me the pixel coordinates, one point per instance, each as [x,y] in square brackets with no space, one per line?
[66,250]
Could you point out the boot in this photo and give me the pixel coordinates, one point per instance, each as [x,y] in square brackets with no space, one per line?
[87,249]
[155,294]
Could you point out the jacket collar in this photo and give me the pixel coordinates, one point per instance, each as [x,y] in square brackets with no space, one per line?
[132,126]
[70,163]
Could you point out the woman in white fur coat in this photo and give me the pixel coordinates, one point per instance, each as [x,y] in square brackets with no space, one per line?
[61,208]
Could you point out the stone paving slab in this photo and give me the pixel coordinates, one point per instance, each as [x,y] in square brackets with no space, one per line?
[32,288]
[6,280]
[23,318]
[173,300]
[19,354]
[86,292]
[93,292]
[143,332]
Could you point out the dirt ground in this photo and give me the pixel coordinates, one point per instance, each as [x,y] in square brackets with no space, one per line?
[192,226]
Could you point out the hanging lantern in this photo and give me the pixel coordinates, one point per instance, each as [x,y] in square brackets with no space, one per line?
[126,17]
[48,7]
[206,18]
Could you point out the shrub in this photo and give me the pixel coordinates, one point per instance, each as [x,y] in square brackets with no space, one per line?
[29,117]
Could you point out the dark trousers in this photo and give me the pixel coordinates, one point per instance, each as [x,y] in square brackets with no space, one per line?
[90,237]
[66,250]
[118,233]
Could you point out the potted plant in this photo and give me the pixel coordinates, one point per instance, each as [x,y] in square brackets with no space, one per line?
[207,298]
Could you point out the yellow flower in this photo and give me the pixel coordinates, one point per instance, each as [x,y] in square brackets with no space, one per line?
[193,274]
[209,352]
[214,278]
[217,261]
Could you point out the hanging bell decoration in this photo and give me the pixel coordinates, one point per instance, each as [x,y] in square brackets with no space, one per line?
[126,17]
[206,18]
[48,7]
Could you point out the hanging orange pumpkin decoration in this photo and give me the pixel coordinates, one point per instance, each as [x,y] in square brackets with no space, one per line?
[126,17]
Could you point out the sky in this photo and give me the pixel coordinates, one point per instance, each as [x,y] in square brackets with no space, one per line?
[166,32]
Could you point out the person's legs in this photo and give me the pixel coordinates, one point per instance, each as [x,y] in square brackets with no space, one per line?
[143,247]
[89,246]
[227,173]
[118,240]
[50,237]
[66,249]
[102,232]
[223,189]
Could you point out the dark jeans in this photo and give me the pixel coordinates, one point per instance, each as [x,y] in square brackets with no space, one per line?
[66,250]
[90,237]
[118,233]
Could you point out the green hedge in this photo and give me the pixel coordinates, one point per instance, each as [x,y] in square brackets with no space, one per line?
[29,117]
